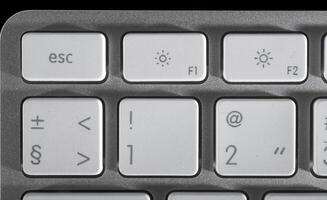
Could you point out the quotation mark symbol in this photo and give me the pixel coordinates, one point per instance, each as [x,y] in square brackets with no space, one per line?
[279,151]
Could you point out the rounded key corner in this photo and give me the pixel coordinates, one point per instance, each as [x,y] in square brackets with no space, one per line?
[99,171]
[317,101]
[315,172]
[26,78]
[226,78]
[196,171]
[304,36]
[203,35]
[99,101]
[27,173]
[267,196]
[26,196]
[243,196]
[291,173]
[221,174]
[125,76]
[147,196]
[24,36]
[292,102]
[226,36]
[123,172]
[102,77]
[102,36]
[216,169]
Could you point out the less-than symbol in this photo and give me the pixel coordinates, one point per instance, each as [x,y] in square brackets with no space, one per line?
[86,158]
[279,151]
[81,123]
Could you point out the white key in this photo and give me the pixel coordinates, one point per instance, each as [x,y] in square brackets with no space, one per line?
[325,58]
[207,196]
[62,136]
[255,137]
[87,196]
[158,137]
[320,137]
[164,57]
[296,196]
[265,57]
[64,57]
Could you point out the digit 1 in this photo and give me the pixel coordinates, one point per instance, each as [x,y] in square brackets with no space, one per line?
[130,153]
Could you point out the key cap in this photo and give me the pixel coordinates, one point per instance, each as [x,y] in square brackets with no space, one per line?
[296,196]
[325,58]
[255,137]
[164,57]
[158,137]
[207,196]
[320,137]
[62,136]
[63,57]
[87,196]
[265,57]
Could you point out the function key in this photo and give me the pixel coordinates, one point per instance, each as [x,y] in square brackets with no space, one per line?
[87,196]
[266,57]
[207,196]
[296,196]
[63,57]
[164,57]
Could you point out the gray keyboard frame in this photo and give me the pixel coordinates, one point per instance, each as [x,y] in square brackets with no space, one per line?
[114,24]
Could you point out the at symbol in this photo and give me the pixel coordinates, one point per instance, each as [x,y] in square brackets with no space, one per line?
[234,119]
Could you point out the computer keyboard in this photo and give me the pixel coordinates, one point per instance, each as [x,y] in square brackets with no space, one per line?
[164,105]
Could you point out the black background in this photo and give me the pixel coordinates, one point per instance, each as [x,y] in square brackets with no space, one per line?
[10,7]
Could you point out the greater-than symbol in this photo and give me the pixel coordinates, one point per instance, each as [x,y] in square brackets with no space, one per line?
[279,151]
[86,158]
[81,123]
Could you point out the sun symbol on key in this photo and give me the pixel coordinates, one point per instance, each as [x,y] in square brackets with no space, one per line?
[162,58]
[263,58]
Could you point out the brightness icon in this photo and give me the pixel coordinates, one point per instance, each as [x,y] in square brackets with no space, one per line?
[162,58]
[263,58]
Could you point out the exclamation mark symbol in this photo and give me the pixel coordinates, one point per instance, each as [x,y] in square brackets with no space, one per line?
[130,120]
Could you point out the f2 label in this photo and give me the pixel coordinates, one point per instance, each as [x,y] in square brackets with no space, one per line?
[292,70]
